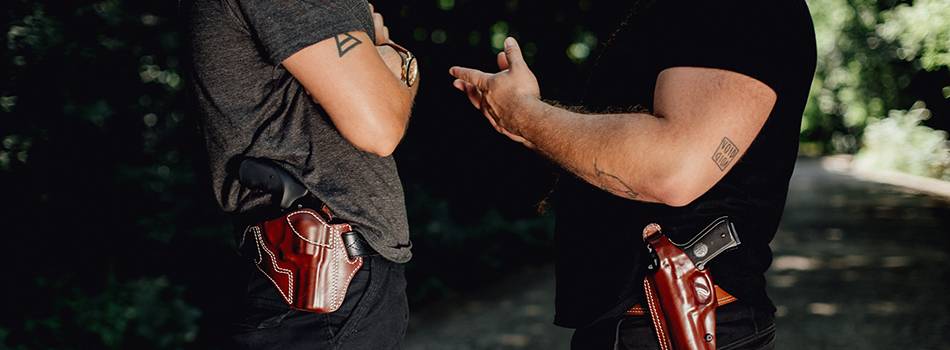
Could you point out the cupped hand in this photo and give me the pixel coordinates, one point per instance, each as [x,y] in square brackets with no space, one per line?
[503,97]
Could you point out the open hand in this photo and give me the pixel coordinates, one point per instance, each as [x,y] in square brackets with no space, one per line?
[503,97]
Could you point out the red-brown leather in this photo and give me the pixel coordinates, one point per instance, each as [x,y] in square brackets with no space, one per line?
[686,296]
[722,298]
[304,256]
[656,314]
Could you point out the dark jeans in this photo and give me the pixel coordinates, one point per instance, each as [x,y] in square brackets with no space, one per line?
[374,314]
[737,327]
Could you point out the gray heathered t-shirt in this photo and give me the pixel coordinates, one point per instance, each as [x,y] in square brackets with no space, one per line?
[251,106]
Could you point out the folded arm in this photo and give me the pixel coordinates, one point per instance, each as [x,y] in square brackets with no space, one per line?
[703,121]
[357,85]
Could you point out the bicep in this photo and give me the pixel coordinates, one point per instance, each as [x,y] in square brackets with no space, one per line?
[347,77]
[714,116]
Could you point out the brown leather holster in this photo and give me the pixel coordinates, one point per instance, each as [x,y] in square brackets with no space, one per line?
[680,297]
[306,258]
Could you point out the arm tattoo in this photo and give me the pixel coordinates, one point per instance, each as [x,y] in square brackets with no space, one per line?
[346,42]
[725,153]
[627,190]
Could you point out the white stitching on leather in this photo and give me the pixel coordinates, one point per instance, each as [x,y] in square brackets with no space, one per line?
[256,230]
[651,303]
[292,228]
[289,297]
[338,294]
[335,279]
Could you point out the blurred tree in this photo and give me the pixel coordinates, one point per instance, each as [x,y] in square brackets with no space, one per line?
[97,177]
[899,142]
[874,56]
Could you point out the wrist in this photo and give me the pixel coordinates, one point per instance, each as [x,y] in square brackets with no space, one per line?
[408,67]
[527,111]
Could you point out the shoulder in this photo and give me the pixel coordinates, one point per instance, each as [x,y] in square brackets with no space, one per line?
[202,13]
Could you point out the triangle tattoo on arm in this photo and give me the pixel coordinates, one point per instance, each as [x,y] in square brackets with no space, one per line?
[346,42]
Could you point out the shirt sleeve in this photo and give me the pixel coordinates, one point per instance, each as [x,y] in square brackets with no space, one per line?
[738,36]
[283,27]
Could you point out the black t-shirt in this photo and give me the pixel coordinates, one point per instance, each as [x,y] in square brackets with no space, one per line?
[250,106]
[601,258]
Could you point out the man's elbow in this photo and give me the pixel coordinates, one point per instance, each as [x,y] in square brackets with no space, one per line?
[678,198]
[377,131]
[681,188]
[379,138]
[381,144]
[378,149]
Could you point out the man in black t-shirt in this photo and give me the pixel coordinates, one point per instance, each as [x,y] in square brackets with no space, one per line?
[314,87]
[724,84]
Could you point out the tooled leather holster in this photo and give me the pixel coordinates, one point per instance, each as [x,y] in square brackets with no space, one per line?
[680,294]
[309,257]
[306,258]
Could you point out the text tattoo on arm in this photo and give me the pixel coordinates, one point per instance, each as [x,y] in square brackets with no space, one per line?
[725,153]
[624,188]
[346,42]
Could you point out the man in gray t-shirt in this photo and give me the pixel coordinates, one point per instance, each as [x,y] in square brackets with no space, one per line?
[310,85]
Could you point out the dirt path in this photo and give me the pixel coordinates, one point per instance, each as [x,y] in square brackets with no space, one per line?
[858,265]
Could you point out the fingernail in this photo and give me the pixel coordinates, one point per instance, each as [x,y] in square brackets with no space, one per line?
[509,42]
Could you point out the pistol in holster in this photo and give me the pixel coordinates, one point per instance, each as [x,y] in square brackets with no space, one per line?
[308,254]
[680,295]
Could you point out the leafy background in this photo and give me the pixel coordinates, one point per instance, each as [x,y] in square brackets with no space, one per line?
[111,234]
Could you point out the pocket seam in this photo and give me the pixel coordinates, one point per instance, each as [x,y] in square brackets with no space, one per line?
[362,307]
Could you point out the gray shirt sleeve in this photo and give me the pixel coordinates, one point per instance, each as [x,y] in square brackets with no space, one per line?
[283,27]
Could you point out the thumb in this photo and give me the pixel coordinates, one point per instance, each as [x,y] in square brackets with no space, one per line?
[513,54]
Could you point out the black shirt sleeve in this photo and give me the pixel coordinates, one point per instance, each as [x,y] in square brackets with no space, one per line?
[283,27]
[729,35]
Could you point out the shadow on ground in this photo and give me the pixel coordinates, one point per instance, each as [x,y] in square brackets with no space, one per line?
[861,265]
[858,265]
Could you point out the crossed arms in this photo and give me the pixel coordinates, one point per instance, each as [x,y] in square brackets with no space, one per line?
[359,86]
[703,121]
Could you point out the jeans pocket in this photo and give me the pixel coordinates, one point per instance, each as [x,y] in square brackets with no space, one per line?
[261,314]
[349,313]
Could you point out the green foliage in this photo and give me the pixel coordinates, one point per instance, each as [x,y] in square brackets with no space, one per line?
[869,54]
[477,251]
[3,341]
[922,30]
[144,313]
[899,142]
[147,310]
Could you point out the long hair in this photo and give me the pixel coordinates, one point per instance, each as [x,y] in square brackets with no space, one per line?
[635,10]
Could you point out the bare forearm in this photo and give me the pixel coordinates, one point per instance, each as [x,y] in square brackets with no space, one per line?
[623,154]
[403,95]
[394,61]
[705,119]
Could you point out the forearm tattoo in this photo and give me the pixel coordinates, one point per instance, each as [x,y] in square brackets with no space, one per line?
[725,153]
[614,184]
[346,42]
